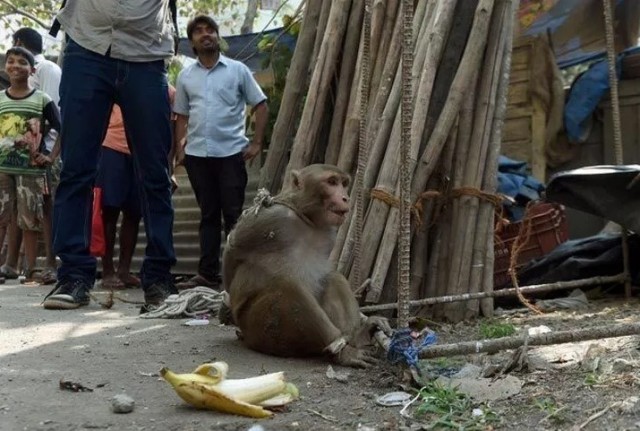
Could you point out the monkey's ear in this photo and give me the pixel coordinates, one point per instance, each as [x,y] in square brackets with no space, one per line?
[296,180]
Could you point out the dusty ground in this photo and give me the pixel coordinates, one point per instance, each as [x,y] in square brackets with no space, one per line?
[114,352]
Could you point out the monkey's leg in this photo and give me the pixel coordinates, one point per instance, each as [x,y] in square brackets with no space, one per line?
[279,317]
[340,304]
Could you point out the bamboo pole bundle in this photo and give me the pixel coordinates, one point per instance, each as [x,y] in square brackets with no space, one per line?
[430,157]
[388,177]
[466,277]
[378,143]
[461,57]
[285,126]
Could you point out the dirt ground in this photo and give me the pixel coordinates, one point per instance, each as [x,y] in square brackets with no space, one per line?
[113,351]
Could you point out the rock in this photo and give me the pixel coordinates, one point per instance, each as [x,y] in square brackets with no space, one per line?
[122,403]
[468,371]
[537,330]
[482,389]
[342,377]
[624,366]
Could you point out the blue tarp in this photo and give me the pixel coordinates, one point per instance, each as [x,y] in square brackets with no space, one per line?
[576,28]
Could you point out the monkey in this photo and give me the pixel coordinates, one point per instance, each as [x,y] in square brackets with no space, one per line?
[281,289]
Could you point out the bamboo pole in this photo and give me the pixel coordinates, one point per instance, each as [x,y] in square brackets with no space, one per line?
[297,79]
[384,18]
[314,107]
[560,337]
[525,290]
[348,67]
[320,32]
[490,182]
[462,156]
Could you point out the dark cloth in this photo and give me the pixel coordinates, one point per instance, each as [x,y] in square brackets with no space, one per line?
[598,255]
[219,185]
[91,84]
[118,180]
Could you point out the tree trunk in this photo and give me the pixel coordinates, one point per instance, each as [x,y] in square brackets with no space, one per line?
[249,17]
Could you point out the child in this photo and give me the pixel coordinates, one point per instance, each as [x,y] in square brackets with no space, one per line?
[23,156]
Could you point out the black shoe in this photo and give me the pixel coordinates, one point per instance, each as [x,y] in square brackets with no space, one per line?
[68,296]
[155,294]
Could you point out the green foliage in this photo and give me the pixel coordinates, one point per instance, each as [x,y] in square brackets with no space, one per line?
[555,413]
[447,408]
[173,70]
[279,60]
[496,330]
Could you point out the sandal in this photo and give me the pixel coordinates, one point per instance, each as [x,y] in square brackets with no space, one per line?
[197,280]
[8,272]
[112,283]
[32,277]
[130,281]
[48,276]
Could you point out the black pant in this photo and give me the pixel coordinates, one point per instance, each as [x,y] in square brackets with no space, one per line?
[219,185]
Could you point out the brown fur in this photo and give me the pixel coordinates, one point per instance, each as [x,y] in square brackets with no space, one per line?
[283,293]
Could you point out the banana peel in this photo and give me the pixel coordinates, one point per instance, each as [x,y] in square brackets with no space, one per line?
[208,388]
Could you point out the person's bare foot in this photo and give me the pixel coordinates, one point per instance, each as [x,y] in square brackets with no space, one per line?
[129,280]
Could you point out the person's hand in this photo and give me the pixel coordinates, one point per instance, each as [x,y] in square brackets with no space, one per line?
[43,160]
[174,183]
[251,151]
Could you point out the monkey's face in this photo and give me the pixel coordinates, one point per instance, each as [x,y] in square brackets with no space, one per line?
[321,193]
[335,199]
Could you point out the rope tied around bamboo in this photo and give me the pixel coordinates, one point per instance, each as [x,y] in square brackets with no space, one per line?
[417,208]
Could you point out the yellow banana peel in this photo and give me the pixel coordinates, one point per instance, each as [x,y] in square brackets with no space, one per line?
[208,388]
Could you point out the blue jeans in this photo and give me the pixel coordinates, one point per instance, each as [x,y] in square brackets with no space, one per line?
[91,83]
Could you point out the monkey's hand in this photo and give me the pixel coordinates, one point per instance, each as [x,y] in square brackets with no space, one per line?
[345,354]
[351,356]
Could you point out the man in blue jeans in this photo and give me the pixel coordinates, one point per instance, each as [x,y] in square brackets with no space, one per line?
[115,52]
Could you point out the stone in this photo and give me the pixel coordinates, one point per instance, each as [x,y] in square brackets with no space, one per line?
[122,403]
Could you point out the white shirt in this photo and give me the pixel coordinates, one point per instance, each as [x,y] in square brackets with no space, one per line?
[47,80]
[133,30]
[215,100]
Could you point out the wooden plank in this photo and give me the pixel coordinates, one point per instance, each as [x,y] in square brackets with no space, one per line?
[519,94]
[517,150]
[514,111]
[517,129]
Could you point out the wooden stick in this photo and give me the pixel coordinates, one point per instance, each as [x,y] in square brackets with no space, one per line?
[535,288]
[560,337]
